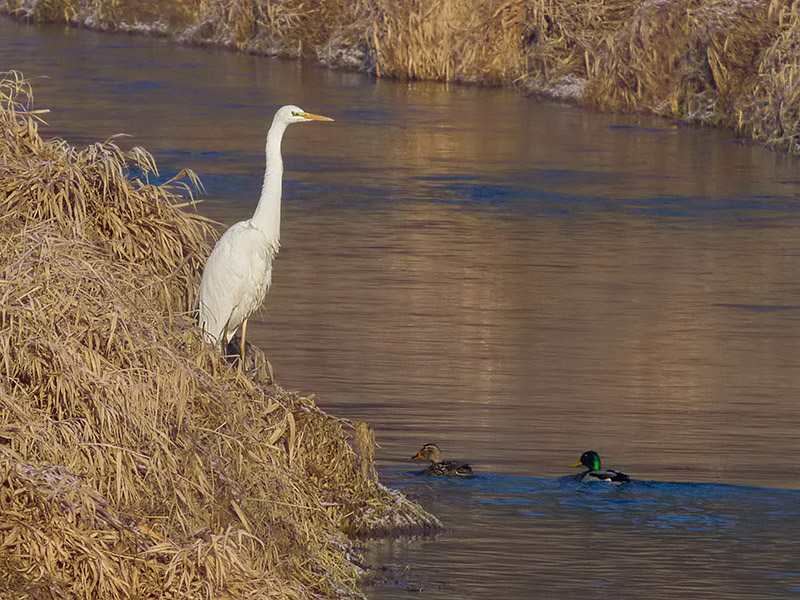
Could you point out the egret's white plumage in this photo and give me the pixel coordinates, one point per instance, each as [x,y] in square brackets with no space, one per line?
[238,273]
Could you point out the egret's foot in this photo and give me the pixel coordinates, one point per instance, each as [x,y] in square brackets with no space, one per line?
[255,361]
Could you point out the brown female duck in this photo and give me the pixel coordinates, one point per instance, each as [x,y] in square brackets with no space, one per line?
[439,467]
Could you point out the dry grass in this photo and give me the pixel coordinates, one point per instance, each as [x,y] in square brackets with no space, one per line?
[88,194]
[689,59]
[422,39]
[770,111]
[134,462]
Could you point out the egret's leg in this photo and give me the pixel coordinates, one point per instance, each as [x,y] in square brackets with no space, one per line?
[241,350]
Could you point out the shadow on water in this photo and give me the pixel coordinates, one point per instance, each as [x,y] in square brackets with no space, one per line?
[556,537]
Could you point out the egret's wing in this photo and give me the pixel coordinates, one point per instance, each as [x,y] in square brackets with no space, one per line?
[233,284]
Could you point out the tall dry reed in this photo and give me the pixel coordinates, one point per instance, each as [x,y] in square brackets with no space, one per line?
[769,111]
[689,59]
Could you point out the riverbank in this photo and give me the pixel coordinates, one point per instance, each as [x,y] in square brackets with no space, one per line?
[731,63]
[134,461]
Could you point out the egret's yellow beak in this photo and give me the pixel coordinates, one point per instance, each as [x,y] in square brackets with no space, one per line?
[313,117]
[418,456]
[577,464]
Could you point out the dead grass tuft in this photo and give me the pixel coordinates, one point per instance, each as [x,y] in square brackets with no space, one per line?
[88,194]
[689,59]
[770,111]
[134,462]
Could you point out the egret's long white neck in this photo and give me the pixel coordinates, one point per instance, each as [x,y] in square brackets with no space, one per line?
[267,217]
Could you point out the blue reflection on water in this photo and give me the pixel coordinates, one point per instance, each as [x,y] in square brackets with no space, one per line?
[728,541]
[657,503]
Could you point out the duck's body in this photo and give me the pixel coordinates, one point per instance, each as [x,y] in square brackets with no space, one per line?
[591,460]
[609,475]
[448,468]
[439,467]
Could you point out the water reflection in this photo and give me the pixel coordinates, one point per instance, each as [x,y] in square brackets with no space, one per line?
[516,281]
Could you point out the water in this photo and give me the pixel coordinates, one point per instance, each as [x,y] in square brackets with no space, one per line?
[528,537]
[517,281]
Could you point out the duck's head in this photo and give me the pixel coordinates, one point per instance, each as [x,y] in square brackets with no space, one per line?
[590,460]
[429,451]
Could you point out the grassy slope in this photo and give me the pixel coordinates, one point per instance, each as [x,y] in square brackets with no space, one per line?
[721,62]
[134,462]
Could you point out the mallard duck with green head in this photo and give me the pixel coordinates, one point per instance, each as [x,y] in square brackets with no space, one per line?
[591,460]
[439,467]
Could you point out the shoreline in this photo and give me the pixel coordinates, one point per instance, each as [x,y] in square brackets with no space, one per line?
[730,64]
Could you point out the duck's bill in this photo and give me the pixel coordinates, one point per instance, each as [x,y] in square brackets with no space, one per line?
[417,456]
[313,117]
[577,464]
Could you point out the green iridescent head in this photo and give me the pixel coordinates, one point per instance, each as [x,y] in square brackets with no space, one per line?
[590,460]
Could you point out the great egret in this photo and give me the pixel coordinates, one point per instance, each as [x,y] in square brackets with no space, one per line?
[238,273]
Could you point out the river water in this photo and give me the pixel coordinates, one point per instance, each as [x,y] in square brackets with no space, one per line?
[517,281]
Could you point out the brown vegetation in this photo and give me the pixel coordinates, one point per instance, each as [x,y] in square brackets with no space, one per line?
[134,461]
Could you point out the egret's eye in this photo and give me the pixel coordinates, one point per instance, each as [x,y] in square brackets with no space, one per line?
[295,113]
